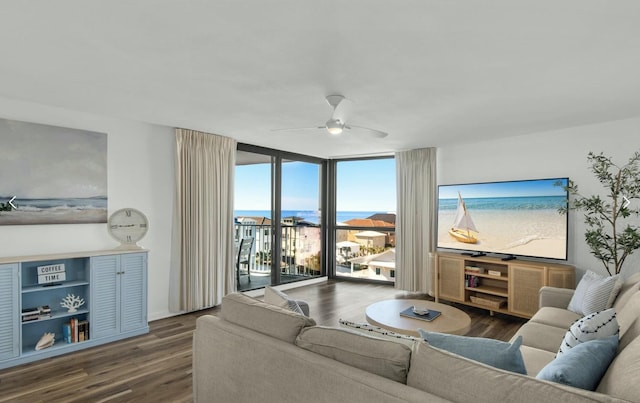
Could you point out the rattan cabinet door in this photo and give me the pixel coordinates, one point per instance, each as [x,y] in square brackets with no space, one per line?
[524,284]
[451,278]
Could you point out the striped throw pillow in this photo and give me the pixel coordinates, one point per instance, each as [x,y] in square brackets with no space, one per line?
[594,293]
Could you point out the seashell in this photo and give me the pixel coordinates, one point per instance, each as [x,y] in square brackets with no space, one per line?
[45,341]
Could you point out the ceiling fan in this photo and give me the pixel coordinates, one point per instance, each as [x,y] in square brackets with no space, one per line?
[336,125]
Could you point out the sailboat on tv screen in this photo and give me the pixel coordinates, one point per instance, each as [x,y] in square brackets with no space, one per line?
[463,229]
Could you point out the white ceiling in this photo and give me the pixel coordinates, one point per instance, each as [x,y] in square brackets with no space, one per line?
[428,72]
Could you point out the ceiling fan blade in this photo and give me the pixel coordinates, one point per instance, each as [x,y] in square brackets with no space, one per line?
[291,129]
[342,111]
[372,132]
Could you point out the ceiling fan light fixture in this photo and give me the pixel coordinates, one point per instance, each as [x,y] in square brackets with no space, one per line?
[334,127]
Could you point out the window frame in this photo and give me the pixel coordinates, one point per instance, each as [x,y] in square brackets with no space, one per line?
[332,226]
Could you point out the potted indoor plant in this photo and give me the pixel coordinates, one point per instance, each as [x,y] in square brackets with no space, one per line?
[612,231]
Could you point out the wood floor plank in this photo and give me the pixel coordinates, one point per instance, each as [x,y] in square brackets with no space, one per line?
[157,366]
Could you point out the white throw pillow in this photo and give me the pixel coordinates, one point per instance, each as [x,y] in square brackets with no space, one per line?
[597,325]
[278,298]
[594,293]
[376,331]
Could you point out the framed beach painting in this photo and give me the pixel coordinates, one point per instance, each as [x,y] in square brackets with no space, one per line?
[51,175]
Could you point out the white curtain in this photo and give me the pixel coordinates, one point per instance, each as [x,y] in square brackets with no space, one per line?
[416,185]
[202,266]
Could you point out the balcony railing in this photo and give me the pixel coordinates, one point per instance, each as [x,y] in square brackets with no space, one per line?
[300,249]
[359,253]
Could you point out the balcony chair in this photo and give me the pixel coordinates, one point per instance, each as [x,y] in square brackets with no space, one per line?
[244,257]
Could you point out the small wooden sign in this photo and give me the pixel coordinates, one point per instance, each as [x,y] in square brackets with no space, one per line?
[51,273]
[51,268]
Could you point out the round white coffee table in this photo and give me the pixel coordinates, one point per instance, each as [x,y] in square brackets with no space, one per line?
[386,314]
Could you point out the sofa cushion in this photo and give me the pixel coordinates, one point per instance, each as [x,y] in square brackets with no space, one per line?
[492,352]
[594,293]
[540,336]
[597,325]
[629,312]
[632,332]
[535,359]
[375,331]
[629,287]
[382,357]
[276,297]
[265,318]
[460,379]
[621,379]
[584,365]
[557,317]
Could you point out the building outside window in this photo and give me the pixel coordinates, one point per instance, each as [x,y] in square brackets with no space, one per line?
[365,219]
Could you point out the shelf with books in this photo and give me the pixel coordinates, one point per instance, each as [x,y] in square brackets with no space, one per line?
[486,275]
[57,315]
[33,331]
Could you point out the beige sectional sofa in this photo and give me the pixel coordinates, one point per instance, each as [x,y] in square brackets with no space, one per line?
[254,351]
[544,332]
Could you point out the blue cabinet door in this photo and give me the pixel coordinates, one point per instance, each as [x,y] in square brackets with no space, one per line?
[133,289]
[9,312]
[105,296]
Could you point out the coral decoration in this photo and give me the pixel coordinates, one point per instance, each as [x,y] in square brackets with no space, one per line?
[72,303]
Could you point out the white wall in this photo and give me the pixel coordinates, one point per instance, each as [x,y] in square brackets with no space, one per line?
[559,153]
[140,175]
[140,169]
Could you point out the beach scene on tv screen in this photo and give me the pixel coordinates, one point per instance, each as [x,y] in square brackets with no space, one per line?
[512,218]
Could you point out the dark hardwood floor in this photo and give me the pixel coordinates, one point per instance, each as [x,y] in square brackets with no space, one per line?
[157,367]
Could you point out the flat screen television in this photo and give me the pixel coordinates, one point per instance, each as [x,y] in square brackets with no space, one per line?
[514,218]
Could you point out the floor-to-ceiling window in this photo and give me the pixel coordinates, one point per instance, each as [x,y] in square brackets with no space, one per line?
[300,216]
[278,204]
[365,204]
[252,212]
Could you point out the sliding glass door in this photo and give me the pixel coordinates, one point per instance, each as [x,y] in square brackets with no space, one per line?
[278,203]
[252,205]
[301,230]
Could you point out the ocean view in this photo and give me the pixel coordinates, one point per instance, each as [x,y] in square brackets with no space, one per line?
[505,203]
[529,226]
[56,211]
[308,215]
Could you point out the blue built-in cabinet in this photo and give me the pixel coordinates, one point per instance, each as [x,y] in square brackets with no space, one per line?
[9,312]
[112,284]
[119,293]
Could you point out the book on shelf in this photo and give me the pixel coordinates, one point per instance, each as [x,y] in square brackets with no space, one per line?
[75,331]
[28,311]
[66,332]
[41,312]
[474,269]
[29,318]
[428,316]
[83,330]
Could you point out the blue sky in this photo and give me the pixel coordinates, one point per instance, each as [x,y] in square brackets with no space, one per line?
[366,185]
[543,187]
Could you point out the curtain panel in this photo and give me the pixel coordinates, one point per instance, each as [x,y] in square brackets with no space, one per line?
[416,186]
[202,267]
